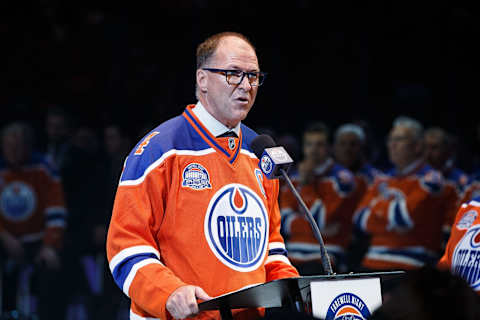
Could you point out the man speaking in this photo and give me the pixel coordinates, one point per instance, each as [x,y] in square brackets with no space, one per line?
[194,217]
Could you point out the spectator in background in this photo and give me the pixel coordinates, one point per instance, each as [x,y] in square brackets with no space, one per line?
[117,146]
[85,174]
[291,144]
[439,153]
[429,294]
[326,187]
[460,256]
[32,223]
[58,130]
[404,212]
[350,151]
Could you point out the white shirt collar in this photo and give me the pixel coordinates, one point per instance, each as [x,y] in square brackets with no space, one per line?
[215,127]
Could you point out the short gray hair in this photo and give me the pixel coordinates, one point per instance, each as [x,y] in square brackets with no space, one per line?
[350,128]
[415,125]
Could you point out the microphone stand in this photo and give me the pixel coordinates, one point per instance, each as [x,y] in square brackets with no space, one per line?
[327,266]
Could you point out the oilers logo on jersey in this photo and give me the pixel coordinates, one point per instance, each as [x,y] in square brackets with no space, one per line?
[196,177]
[17,201]
[236,227]
[347,306]
[466,257]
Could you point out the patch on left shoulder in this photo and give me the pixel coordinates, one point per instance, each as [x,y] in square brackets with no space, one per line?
[467,220]
[196,177]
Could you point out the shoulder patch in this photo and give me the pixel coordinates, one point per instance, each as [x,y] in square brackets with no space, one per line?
[467,220]
[196,177]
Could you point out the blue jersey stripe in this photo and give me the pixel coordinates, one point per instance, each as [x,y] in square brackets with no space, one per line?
[277,251]
[122,270]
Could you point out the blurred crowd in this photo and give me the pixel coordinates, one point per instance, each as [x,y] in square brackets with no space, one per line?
[56,197]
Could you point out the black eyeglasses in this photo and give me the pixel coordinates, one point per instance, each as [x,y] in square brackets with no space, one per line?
[235,77]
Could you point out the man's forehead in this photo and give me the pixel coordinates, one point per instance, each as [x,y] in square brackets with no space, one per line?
[401,130]
[231,49]
[315,136]
[348,136]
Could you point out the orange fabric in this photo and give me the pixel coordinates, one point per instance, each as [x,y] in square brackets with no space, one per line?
[161,213]
[28,194]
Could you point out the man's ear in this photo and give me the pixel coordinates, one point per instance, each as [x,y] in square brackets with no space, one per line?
[202,80]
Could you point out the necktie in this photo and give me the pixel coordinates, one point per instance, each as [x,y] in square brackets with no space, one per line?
[228,134]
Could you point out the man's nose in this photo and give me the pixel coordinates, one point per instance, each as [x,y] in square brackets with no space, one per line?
[245,84]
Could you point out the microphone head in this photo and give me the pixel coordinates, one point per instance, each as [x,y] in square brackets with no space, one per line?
[272,158]
[260,143]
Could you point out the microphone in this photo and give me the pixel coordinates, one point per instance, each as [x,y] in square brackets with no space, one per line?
[272,157]
[274,163]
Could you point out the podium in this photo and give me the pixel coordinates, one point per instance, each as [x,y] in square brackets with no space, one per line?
[290,292]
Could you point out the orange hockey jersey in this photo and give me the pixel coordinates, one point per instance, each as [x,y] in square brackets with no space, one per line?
[32,205]
[456,182]
[463,248]
[193,209]
[330,201]
[404,214]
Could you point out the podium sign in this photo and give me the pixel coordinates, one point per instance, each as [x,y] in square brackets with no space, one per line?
[345,298]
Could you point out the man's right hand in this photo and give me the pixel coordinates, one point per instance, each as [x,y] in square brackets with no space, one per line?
[306,171]
[182,303]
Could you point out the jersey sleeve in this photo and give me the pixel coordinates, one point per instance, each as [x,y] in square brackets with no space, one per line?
[132,249]
[445,261]
[277,265]
[55,211]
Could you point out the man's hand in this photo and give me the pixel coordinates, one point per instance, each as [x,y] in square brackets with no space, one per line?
[306,170]
[49,257]
[182,303]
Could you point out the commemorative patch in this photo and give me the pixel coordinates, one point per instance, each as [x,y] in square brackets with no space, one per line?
[196,177]
[467,220]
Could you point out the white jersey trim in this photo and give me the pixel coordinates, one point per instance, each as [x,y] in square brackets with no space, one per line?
[305,256]
[276,245]
[248,153]
[395,258]
[119,257]
[159,161]
[56,210]
[277,257]
[134,316]
[304,246]
[474,203]
[32,237]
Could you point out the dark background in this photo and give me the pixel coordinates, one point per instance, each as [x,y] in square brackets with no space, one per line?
[334,62]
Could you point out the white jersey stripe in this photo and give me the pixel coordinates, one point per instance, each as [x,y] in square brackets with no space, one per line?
[159,161]
[119,257]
